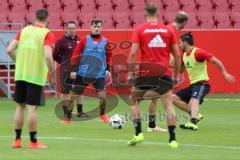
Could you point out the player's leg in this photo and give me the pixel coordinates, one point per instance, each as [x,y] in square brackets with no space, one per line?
[135,98]
[170,115]
[100,86]
[152,110]
[79,101]
[35,97]
[79,85]
[20,99]
[200,90]
[182,98]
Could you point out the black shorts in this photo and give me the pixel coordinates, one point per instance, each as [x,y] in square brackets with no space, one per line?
[80,83]
[198,90]
[158,84]
[66,82]
[29,93]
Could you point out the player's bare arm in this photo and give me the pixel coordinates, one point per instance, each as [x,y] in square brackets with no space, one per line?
[11,49]
[220,65]
[177,61]
[49,59]
[132,60]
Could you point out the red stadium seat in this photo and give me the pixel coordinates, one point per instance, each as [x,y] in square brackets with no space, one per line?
[121,20]
[170,5]
[18,6]
[121,6]
[136,19]
[204,6]
[192,22]
[19,20]
[30,18]
[136,6]
[55,21]
[222,20]
[52,5]
[71,6]
[234,5]
[168,17]
[153,1]
[104,6]
[220,6]
[205,20]
[33,6]
[65,17]
[84,19]
[188,6]
[88,5]
[107,20]
[3,19]
[235,20]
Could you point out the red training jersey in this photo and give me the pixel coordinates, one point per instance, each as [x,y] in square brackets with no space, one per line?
[155,42]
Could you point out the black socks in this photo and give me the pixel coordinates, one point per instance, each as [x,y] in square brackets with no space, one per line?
[138,126]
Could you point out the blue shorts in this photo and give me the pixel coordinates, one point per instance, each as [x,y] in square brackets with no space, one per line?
[197,90]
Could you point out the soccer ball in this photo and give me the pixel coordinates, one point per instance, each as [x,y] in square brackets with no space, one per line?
[117,121]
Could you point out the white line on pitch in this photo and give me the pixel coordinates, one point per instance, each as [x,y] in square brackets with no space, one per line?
[124,141]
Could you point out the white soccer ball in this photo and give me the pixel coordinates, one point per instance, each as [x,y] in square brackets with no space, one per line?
[117,121]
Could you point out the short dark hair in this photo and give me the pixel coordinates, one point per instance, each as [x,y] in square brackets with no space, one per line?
[71,22]
[188,37]
[41,14]
[96,21]
[151,9]
[181,17]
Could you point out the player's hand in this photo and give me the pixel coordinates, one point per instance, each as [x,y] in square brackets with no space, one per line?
[229,77]
[108,74]
[130,78]
[73,75]
[175,81]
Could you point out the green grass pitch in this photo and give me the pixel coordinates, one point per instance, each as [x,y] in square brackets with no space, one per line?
[218,137]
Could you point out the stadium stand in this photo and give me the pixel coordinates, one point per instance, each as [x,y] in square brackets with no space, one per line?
[204,14]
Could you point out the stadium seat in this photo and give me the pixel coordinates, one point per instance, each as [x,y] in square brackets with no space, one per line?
[18,6]
[153,1]
[65,17]
[3,19]
[188,6]
[104,6]
[204,6]
[136,6]
[52,5]
[84,19]
[121,20]
[205,20]
[235,20]
[121,6]
[222,20]
[168,17]
[87,5]
[220,6]
[192,22]
[71,6]
[55,21]
[234,5]
[107,20]
[19,20]
[33,6]
[136,18]
[170,5]
[30,18]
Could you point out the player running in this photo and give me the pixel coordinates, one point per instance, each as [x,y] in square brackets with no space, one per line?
[33,60]
[62,54]
[155,41]
[93,58]
[195,61]
[180,22]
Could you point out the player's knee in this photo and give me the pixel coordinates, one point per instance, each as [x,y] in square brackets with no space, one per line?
[134,99]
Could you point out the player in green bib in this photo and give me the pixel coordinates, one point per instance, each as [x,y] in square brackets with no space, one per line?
[33,61]
[195,62]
